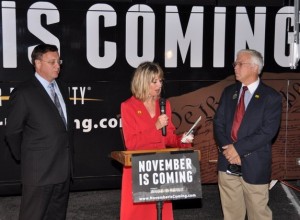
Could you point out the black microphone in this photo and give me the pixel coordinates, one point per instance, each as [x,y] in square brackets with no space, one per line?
[162,105]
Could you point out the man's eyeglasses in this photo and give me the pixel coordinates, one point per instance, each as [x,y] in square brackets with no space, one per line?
[53,62]
[234,64]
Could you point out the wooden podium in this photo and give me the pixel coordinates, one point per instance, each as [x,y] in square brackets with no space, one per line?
[124,157]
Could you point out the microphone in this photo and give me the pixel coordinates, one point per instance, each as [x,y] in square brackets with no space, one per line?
[162,105]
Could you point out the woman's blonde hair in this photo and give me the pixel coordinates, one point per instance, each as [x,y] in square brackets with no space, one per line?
[142,77]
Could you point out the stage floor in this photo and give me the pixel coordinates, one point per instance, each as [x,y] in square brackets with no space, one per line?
[105,205]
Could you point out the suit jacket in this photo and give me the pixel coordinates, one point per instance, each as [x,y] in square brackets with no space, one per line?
[37,136]
[257,130]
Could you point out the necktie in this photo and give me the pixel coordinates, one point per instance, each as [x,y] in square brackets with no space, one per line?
[56,102]
[238,116]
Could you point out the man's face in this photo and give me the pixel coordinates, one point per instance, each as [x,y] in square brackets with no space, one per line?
[48,66]
[245,70]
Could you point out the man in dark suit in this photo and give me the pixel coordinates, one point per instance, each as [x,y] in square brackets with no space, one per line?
[251,145]
[39,134]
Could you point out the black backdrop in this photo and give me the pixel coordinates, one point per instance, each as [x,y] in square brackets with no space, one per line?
[97,92]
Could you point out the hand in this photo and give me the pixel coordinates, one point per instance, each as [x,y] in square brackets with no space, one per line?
[187,139]
[162,121]
[236,160]
[231,154]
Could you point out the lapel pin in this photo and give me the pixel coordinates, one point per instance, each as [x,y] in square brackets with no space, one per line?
[234,96]
[139,112]
[256,96]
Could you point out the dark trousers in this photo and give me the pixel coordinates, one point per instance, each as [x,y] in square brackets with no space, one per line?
[45,202]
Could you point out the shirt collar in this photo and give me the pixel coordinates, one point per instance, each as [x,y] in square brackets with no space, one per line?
[253,86]
[43,81]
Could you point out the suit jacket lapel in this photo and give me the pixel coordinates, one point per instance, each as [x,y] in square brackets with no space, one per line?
[254,99]
[65,96]
[234,97]
[253,105]
[43,92]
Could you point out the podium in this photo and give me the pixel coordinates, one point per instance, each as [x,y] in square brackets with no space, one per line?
[124,157]
[163,175]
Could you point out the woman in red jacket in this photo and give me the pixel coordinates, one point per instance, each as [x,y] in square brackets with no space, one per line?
[142,123]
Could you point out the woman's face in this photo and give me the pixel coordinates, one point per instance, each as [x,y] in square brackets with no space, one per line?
[155,86]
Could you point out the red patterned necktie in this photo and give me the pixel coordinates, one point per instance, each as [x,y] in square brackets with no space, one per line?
[238,116]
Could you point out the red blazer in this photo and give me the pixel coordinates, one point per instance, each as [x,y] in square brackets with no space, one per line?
[139,128]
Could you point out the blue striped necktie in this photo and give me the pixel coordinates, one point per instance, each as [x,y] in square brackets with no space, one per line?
[56,102]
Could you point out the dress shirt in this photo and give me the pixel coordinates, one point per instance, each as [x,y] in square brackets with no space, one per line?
[249,93]
[45,84]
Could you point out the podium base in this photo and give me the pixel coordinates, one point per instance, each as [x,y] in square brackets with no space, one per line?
[159,207]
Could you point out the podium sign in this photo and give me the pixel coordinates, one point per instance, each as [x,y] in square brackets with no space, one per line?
[166,176]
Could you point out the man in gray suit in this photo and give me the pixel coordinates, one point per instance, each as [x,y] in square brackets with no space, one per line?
[39,134]
[249,144]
